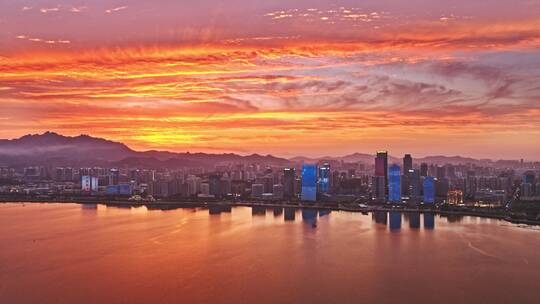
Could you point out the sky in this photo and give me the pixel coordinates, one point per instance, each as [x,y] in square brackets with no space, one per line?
[287,78]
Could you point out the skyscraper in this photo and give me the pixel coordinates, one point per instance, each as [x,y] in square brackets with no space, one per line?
[289,177]
[424,169]
[394,186]
[429,190]
[407,163]
[378,187]
[309,182]
[324,178]
[381,166]
[114,177]
[414,183]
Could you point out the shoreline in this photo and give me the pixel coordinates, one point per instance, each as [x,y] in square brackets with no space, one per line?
[229,204]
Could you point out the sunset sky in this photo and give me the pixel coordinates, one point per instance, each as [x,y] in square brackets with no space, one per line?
[288,78]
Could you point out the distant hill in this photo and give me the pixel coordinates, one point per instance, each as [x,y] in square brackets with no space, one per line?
[57,150]
[53,149]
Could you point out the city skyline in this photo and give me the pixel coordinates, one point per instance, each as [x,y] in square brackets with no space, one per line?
[309,78]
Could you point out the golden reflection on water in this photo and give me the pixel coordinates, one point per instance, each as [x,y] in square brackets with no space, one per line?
[68,253]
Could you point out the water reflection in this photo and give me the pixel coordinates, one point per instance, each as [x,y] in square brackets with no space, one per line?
[324,212]
[290,214]
[309,216]
[414,220]
[258,210]
[395,220]
[214,210]
[453,218]
[429,221]
[380,217]
[91,207]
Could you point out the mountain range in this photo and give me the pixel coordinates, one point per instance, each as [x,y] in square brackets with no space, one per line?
[53,149]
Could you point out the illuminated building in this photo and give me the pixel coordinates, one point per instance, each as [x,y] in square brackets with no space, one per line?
[429,190]
[455,197]
[394,185]
[289,178]
[324,178]
[378,187]
[89,183]
[309,182]
[413,182]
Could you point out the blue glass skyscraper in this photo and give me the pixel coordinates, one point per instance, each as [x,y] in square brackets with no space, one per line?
[429,190]
[394,184]
[324,178]
[309,183]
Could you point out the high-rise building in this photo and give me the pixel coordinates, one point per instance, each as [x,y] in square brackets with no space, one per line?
[440,172]
[324,178]
[381,164]
[277,191]
[205,189]
[378,187]
[89,183]
[424,169]
[257,190]
[429,190]
[413,177]
[114,177]
[407,163]
[394,184]
[214,182]
[309,182]
[193,185]
[381,167]
[289,177]
[526,190]
[530,178]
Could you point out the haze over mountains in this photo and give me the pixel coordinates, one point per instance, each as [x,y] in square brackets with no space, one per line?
[53,149]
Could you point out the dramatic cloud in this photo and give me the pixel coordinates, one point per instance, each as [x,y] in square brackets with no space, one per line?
[284,78]
[116,9]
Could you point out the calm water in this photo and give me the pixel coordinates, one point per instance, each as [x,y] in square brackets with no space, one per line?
[68,253]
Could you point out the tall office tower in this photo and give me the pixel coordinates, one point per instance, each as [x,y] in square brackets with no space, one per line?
[378,187]
[381,167]
[424,169]
[277,191]
[289,177]
[257,190]
[225,185]
[414,183]
[114,177]
[429,190]
[530,178]
[309,182]
[526,190]
[194,185]
[407,163]
[214,184]
[441,172]
[324,178]
[394,186]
